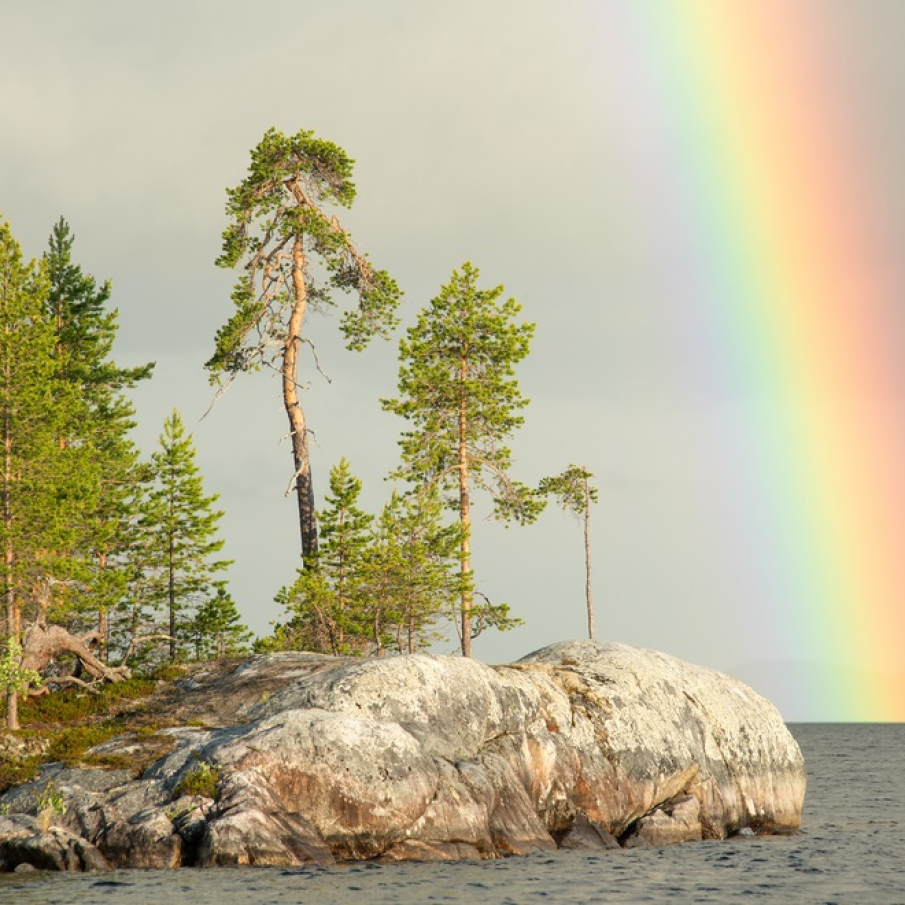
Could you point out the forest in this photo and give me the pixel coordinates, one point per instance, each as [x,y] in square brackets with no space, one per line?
[112,558]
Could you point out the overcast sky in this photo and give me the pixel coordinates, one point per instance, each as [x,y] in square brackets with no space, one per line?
[506,132]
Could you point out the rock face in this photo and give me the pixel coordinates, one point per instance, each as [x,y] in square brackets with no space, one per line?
[580,745]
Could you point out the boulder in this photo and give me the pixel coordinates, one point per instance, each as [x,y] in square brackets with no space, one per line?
[580,745]
[23,843]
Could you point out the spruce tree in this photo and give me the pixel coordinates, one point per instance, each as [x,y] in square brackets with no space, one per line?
[179,529]
[326,601]
[458,390]
[217,629]
[85,328]
[574,493]
[412,575]
[294,254]
[77,309]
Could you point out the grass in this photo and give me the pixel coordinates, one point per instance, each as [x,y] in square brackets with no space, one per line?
[16,772]
[201,780]
[70,721]
[71,705]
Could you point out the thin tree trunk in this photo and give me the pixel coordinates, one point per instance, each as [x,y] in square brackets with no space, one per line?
[587,558]
[12,609]
[298,432]
[171,582]
[464,512]
[102,629]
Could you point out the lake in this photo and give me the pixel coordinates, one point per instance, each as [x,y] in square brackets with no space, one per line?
[851,849]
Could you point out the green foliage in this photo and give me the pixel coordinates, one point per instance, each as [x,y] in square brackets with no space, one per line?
[376,585]
[294,255]
[457,389]
[45,489]
[13,676]
[18,772]
[178,536]
[572,489]
[85,330]
[71,704]
[457,386]
[412,573]
[68,465]
[69,745]
[325,602]
[201,780]
[292,181]
[51,798]
[217,629]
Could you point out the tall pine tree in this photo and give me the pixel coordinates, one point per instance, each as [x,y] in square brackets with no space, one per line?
[294,255]
[179,531]
[457,388]
[45,488]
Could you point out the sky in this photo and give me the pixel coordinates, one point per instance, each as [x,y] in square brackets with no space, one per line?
[590,157]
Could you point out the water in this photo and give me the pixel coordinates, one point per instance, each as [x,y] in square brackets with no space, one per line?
[851,849]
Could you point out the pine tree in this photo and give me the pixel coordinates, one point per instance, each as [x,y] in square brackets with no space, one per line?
[294,254]
[457,388]
[179,528]
[44,488]
[85,332]
[574,492]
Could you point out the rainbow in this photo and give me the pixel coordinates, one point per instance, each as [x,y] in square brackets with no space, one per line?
[800,304]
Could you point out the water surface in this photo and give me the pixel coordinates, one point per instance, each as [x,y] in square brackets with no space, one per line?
[851,849]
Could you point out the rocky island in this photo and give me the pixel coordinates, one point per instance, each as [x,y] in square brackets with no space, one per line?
[291,758]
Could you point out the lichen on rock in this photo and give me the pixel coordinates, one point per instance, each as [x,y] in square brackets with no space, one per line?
[422,757]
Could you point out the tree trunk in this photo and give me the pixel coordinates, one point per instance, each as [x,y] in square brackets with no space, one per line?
[464,512]
[102,629]
[12,607]
[587,557]
[298,433]
[171,580]
[44,643]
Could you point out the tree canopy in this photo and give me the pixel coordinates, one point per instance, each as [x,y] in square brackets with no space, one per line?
[294,255]
[178,526]
[458,390]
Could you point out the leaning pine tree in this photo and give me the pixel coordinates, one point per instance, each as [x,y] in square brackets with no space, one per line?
[293,253]
[458,389]
[178,528]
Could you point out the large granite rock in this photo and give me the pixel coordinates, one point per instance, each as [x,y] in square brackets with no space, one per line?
[580,745]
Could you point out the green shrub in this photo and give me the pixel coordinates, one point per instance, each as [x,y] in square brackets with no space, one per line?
[17,772]
[69,705]
[201,780]
[51,798]
[69,745]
